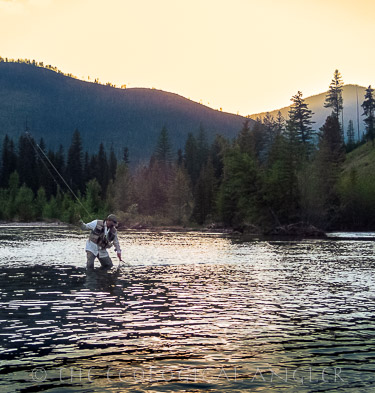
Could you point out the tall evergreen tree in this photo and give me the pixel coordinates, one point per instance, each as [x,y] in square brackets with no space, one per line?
[350,136]
[8,161]
[238,196]
[74,170]
[163,150]
[204,193]
[334,98]
[269,124]
[180,158]
[369,111]
[279,123]
[112,163]
[329,159]
[217,152]
[125,156]
[43,168]
[202,148]
[300,122]
[281,194]
[252,141]
[244,139]
[86,167]
[27,162]
[191,158]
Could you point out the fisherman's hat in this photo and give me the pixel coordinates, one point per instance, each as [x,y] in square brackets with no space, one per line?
[113,218]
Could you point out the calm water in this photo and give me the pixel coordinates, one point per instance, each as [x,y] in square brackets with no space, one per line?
[194,312]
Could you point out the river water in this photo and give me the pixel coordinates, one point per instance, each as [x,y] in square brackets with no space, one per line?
[192,312]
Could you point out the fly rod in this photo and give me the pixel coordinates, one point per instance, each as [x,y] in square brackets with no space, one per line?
[36,147]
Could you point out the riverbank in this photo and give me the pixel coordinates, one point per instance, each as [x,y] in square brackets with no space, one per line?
[33,224]
[297,230]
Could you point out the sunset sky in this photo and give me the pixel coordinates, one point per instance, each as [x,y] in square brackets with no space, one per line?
[245,56]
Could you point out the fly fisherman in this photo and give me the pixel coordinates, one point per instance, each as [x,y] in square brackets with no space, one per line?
[103,234]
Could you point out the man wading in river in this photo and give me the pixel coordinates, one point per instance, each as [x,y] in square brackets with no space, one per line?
[103,234]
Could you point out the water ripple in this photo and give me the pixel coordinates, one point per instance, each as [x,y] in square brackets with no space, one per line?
[193,312]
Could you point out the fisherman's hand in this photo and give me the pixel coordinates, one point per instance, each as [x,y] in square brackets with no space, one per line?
[119,255]
[81,224]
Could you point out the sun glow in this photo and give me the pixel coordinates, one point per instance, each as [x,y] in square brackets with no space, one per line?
[247,57]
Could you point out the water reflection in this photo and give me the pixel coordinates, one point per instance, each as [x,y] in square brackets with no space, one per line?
[192,312]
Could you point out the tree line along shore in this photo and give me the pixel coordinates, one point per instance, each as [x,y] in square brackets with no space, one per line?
[279,173]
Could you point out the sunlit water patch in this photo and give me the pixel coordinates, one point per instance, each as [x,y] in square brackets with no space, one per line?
[192,312]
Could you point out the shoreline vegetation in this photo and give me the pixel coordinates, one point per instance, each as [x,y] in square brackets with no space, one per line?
[297,230]
[277,177]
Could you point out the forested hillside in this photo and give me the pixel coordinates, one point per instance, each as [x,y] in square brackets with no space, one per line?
[54,105]
[274,173]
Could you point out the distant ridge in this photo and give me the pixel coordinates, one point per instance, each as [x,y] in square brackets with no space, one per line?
[316,104]
[54,105]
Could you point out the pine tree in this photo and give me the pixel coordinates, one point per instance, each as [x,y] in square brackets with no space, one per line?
[217,152]
[43,168]
[238,196]
[180,158]
[350,136]
[112,163]
[27,162]
[86,167]
[125,156]
[74,170]
[202,148]
[191,158]
[8,161]
[329,159]
[281,192]
[204,193]
[244,139]
[252,141]
[269,124]
[163,150]
[300,122]
[334,98]
[58,161]
[279,123]
[369,111]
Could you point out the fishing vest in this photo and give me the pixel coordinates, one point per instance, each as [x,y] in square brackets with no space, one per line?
[97,235]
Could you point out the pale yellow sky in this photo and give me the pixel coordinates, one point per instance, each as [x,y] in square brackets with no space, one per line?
[245,56]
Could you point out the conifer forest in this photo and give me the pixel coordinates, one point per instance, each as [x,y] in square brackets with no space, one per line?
[276,172]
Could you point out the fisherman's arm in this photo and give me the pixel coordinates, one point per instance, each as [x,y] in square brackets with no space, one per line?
[89,226]
[117,247]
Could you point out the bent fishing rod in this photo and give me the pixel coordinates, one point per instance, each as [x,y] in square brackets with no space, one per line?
[36,147]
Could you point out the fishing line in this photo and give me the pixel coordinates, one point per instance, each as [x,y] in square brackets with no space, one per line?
[28,135]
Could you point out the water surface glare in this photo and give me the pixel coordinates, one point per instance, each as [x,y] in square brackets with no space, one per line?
[193,312]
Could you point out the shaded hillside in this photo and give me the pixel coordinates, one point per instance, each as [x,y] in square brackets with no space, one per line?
[357,188]
[362,161]
[316,104]
[55,105]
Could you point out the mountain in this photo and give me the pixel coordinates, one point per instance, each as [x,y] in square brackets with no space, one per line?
[316,104]
[53,105]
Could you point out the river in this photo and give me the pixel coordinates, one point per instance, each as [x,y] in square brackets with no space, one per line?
[191,312]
